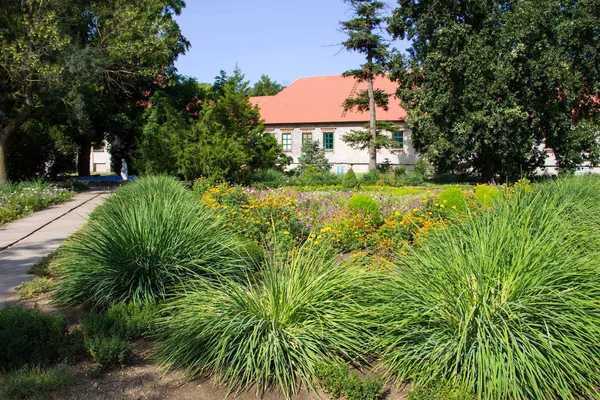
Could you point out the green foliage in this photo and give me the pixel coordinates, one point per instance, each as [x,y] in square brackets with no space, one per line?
[367,205]
[125,321]
[349,182]
[34,288]
[300,309]
[20,199]
[371,177]
[439,392]
[218,138]
[149,236]
[28,336]
[269,177]
[364,36]
[35,382]
[412,179]
[265,87]
[486,195]
[313,158]
[482,304]
[339,383]
[312,176]
[487,85]
[453,199]
[108,352]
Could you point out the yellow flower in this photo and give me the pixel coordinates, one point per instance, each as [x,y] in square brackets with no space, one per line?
[286,232]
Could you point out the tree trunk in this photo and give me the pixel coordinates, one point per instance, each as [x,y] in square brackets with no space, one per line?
[372,125]
[3,169]
[83,158]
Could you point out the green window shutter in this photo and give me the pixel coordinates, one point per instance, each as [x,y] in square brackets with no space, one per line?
[398,139]
[328,140]
[306,137]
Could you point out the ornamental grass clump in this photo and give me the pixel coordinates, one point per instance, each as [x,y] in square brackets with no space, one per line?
[300,310]
[505,304]
[149,236]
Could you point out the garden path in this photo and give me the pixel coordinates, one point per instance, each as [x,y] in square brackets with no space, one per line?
[25,241]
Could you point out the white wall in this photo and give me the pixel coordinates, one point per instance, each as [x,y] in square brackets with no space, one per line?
[342,155]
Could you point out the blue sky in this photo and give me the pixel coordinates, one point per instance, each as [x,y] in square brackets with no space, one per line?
[285,39]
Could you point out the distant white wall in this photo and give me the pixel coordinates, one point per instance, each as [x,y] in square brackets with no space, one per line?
[343,156]
[100,160]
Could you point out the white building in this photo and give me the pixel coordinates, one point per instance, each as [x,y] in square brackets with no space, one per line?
[311,109]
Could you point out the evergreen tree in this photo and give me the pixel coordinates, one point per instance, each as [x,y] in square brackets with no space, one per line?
[365,36]
[265,87]
[312,156]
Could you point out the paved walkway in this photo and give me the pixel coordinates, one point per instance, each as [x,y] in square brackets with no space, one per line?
[25,241]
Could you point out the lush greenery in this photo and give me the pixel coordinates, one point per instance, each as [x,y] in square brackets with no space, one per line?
[151,235]
[300,309]
[35,382]
[195,130]
[453,291]
[488,83]
[482,304]
[20,199]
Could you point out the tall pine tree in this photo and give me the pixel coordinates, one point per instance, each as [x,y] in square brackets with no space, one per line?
[365,35]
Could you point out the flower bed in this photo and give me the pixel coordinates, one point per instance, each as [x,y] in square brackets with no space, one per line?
[18,200]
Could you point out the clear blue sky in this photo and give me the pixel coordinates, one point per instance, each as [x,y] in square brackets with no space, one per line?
[285,39]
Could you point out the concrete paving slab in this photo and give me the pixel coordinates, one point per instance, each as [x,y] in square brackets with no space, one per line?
[38,235]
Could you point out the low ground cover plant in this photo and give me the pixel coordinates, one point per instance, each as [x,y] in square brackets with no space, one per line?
[126,321]
[35,382]
[20,199]
[152,234]
[299,310]
[494,302]
[337,380]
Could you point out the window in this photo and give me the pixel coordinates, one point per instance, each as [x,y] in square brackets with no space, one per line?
[306,137]
[398,139]
[286,140]
[328,140]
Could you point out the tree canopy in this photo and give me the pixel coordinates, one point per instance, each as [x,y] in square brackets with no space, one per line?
[79,52]
[266,87]
[490,84]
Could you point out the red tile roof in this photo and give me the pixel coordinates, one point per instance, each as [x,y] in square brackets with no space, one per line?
[319,100]
[260,100]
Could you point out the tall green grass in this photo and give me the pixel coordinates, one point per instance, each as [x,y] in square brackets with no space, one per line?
[506,303]
[149,236]
[299,311]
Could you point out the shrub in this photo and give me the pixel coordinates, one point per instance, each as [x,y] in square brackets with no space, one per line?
[28,336]
[312,156]
[486,195]
[270,177]
[149,236]
[439,391]
[124,320]
[338,382]
[109,351]
[366,204]
[311,177]
[371,177]
[412,179]
[36,382]
[349,181]
[399,170]
[299,310]
[495,302]
[453,199]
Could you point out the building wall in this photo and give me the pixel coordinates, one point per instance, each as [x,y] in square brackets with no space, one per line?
[342,157]
[100,160]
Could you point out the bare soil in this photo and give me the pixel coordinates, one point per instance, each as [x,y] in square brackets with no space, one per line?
[143,379]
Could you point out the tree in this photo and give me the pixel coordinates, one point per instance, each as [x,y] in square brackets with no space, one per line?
[266,87]
[80,51]
[488,83]
[312,156]
[211,131]
[365,36]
